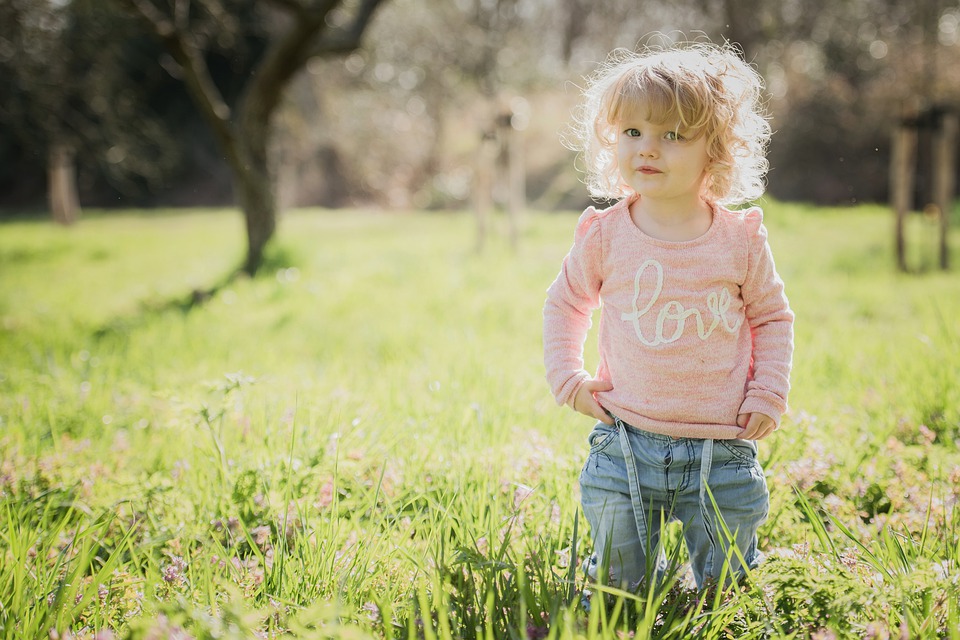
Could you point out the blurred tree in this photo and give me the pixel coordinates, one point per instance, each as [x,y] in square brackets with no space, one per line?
[836,72]
[68,100]
[752,24]
[437,74]
[294,32]
[434,75]
[575,14]
[840,78]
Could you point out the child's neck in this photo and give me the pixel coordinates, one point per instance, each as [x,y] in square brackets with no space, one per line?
[672,221]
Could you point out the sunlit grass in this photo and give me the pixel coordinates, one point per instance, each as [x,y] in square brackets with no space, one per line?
[360,443]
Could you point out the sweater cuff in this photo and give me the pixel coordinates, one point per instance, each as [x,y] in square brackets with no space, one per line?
[754,404]
[573,384]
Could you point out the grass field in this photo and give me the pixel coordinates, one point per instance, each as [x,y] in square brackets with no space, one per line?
[360,443]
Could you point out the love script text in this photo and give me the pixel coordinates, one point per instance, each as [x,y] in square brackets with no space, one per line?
[718,305]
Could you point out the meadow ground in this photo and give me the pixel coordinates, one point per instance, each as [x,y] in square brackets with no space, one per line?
[360,442]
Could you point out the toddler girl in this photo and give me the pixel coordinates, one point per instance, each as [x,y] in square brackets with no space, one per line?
[696,335]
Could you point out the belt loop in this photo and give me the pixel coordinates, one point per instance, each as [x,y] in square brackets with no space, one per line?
[706,465]
[633,480]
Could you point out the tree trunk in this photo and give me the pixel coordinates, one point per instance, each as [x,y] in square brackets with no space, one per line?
[254,189]
[62,184]
[255,180]
[516,176]
[902,169]
[483,181]
[244,139]
[575,25]
[945,165]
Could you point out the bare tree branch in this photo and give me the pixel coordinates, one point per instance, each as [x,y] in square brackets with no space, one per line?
[244,137]
[196,75]
[281,61]
[220,13]
[161,25]
[307,9]
[181,14]
[294,6]
[344,40]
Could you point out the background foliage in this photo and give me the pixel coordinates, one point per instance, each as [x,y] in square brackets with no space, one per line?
[399,123]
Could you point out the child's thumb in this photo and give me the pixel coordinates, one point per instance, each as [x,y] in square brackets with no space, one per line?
[599,385]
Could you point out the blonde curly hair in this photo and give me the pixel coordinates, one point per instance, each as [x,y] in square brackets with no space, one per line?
[708,88]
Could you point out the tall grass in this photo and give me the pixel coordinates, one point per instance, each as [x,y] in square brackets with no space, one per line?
[359,443]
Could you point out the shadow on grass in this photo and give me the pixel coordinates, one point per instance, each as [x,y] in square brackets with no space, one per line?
[152,309]
[276,258]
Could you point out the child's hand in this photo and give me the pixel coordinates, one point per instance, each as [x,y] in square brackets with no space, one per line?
[756,426]
[585,402]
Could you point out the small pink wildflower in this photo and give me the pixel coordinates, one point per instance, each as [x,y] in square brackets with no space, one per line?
[539,631]
[261,535]
[876,631]
[325,499]
[848,559]
[955,477]
[483,546]
[372,611]
[521,493]
[173,572]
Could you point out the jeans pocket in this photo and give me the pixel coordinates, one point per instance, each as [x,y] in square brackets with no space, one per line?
[602,436]
[742,450]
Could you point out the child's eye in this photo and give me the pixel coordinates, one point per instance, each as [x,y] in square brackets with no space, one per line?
[674,136]
[631,133]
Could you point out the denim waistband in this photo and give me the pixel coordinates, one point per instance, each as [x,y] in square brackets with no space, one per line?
[651,435]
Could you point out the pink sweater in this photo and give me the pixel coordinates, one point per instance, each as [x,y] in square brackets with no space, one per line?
[691,333]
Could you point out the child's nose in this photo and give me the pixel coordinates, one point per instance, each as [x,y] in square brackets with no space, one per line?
[647,146]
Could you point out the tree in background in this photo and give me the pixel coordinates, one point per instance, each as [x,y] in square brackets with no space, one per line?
[69,102]
[838,74]
[436,74]
[840,79]
[293,32]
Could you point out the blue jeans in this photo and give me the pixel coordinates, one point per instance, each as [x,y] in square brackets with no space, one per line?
[634,481]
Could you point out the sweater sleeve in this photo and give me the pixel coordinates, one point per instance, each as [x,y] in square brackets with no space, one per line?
[567,313]
[771,325]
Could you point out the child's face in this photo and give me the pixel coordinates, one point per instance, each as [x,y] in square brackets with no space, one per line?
[661,160]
